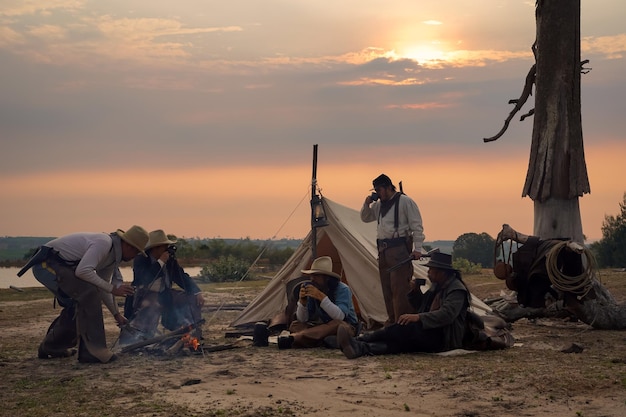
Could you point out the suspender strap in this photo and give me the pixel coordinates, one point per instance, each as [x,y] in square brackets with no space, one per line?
[396,212]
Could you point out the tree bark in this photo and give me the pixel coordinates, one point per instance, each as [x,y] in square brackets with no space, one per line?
[557,173]
[558,218]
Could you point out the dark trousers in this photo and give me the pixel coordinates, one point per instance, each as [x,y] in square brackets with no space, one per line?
[395,284]
[180,309]
[89,317]
[61,334]
[174,308]
[413,337]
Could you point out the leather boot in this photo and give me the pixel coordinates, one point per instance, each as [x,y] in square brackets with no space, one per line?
[350,347]
[331,342]
[353,348]
[374,336]
[48,353]
[60,338]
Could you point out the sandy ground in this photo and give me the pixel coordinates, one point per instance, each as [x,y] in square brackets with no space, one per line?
[532,379]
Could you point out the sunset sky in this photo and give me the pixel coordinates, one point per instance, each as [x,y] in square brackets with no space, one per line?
[199,117]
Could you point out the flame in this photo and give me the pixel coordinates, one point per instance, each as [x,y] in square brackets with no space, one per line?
[191,342]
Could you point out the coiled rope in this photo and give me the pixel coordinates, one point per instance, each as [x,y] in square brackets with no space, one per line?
[579,285]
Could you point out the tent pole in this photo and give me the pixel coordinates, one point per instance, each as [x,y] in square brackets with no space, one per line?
[313,192]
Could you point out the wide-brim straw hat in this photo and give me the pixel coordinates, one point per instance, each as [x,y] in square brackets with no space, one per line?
[158,238]
[322,265]
[136,236]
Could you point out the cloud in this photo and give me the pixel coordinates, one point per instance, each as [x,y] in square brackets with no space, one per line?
[18,8]
[612,47]
[420,106]
[90,89]
[10,38]
[88,40]
[49,33]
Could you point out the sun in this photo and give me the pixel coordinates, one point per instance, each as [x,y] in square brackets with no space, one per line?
[426,53]
[423,54]
[426,43]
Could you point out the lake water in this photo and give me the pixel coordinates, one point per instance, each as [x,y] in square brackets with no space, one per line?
[8,277]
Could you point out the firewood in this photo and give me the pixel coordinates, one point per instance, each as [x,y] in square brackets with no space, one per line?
[156,339]
[175,348]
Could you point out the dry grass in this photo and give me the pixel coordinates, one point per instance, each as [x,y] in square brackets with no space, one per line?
[533,379]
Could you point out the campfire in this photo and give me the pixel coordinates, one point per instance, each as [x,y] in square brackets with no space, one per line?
[178,341]
[188,342]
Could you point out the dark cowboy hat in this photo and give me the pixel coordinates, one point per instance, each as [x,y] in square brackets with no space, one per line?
[382,181]
[440,260]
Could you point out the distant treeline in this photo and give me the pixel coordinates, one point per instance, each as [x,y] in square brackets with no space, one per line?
[14,251]
[265,252]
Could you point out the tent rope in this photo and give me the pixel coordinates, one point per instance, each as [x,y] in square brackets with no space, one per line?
[263,249]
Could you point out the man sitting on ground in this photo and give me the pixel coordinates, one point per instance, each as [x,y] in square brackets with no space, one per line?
[438,324]
[324,305]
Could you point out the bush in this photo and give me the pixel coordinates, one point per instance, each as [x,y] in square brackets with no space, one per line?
[225,268]
[609,251]
[466,267]
[475,247]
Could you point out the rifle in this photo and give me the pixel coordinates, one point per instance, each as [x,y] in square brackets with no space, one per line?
[410,258]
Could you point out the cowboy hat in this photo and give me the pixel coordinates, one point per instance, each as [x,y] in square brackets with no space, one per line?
[441,261]
[322,265]
[158,238]
[136,236]
[382,181]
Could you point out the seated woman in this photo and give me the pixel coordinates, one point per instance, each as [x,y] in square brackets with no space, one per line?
[324,306]
[438,324]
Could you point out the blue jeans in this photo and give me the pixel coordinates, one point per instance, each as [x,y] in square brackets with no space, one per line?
[49,280]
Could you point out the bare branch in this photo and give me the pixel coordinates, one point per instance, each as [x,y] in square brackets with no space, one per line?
[584,70]
[519,103]
[530,113]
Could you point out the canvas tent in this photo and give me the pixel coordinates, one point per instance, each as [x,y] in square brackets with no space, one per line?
[351,244]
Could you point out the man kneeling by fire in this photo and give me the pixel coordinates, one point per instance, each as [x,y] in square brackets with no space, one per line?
[154,299]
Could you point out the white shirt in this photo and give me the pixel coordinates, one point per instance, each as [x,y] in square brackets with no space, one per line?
[409,221]
[98,260]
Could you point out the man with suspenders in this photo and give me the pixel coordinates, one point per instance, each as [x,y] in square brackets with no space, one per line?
[400,234]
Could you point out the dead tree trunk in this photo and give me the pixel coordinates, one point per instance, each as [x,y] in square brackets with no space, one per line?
[600,311]
[557,173]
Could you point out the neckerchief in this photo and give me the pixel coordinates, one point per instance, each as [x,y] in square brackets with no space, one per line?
[385,206]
